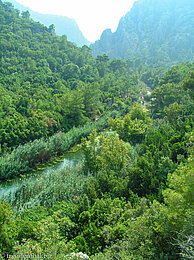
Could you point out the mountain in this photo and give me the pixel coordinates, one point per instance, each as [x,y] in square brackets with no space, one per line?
[154,30]
[63,25]
[48,84]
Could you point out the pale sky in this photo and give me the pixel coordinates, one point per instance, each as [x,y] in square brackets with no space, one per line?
[92,16]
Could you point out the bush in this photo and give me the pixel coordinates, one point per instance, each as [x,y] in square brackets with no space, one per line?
[25,157]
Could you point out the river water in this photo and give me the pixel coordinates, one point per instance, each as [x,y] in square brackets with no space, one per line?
[69,160]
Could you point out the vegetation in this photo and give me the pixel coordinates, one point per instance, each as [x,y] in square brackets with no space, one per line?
[132,195]
[62,24]
[47,84]
[22,159]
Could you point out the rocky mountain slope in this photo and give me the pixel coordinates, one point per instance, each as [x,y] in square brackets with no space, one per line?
[154,30]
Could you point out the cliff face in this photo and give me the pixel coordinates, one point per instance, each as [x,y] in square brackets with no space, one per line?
[153,30]
[63,25]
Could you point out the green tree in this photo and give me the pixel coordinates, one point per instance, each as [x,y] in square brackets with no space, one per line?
[166,95]
[91,99]
[104,153]
[26,15]
[8,229]
[132,127]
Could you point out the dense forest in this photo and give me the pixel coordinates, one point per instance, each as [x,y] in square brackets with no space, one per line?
[48,84]
[131,197]
[63,24]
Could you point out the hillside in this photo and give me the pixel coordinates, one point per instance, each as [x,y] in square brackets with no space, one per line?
[48,84]
[63,25]
[157,31]
[130,195]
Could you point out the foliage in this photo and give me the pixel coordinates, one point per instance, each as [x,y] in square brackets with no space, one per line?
[172,88]
[104,153]
[25,157]
[133,126]
[47,189]
[132,196]
[8,228]
[48,84]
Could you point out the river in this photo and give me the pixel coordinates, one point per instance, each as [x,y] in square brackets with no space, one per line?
[70,159]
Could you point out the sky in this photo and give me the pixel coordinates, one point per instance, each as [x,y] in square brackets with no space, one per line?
[92,16]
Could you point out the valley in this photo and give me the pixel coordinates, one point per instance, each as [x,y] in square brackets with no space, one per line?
[96,144]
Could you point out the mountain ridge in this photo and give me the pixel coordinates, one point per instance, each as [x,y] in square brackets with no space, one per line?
[152,30]
[63,24]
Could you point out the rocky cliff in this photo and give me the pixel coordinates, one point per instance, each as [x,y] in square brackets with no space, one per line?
[154,30]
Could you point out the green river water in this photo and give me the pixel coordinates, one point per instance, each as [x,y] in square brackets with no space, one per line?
[70,159]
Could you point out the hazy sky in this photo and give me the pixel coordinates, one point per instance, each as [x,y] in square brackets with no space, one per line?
[92,16]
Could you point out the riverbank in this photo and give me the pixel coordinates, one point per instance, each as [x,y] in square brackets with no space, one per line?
[24,158]
[57,159]
[68,160]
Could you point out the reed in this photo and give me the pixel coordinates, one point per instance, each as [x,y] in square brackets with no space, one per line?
[47,189]
[25,157]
